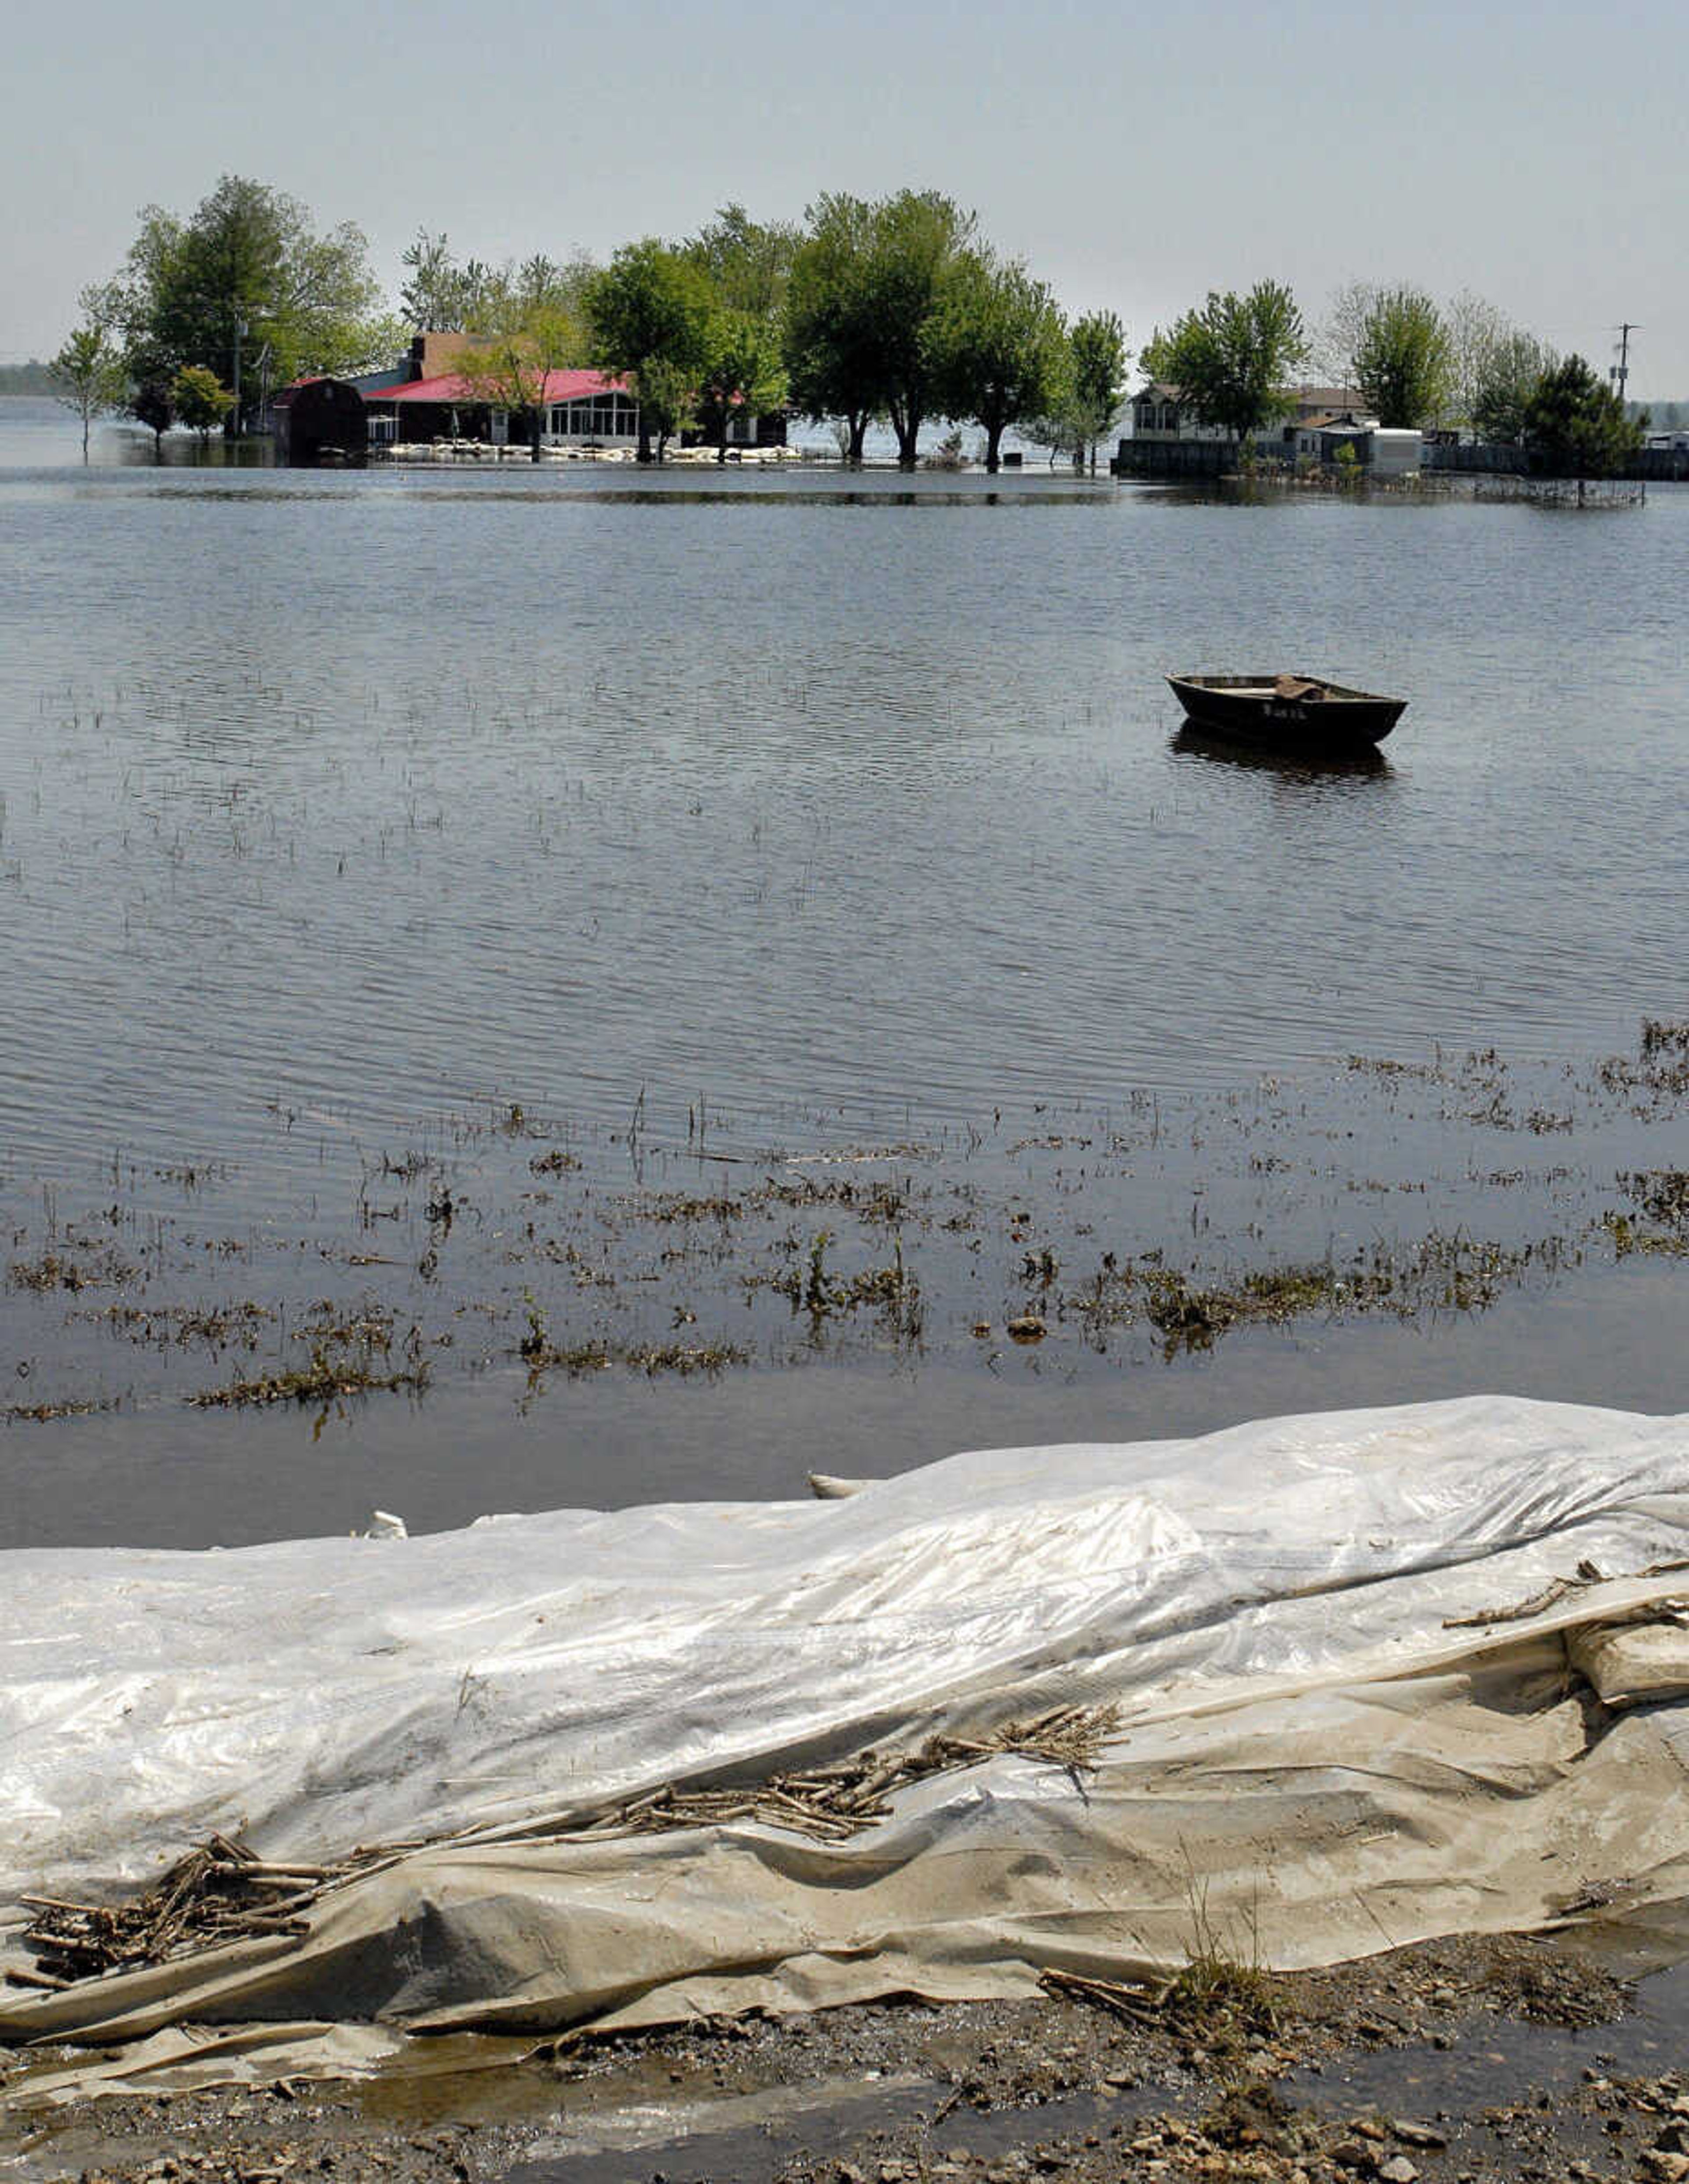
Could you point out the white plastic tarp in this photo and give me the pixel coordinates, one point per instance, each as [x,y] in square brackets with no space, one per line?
[1304,1739]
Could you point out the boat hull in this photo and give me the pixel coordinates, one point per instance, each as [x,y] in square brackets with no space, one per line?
[1249,710]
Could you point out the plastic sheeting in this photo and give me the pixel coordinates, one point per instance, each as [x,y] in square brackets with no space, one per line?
[1312,1734]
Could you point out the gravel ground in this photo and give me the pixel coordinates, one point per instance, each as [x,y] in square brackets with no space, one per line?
[1474,2059]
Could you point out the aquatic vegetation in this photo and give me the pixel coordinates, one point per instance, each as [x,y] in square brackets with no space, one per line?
[324,1379]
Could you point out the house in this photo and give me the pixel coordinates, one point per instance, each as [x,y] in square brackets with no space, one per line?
[582,409]
[433,394]
[1160,412]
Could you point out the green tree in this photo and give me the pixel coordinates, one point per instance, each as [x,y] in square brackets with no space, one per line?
[528,322]
[88,376]
[997,348]
[202,401]
[1099,359]
[1404,360]
[1506,379]
[747,262]
[916,240]
[744,375]
[650,317]
[1575,426]
[153,405]
[246,276]
[1230,360]
[830,326]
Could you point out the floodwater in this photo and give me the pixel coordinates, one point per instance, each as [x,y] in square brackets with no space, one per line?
[344,815]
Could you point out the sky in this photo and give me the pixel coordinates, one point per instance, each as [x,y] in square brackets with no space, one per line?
[1136,157]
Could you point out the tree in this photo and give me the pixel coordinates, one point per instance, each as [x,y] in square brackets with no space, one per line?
[246,276]
[997,348]
[1575,426]
[744,375]
[748,262]
[748,266]
[1058,431]
[831,355]
[441,296]
[1229,359]
[152,403]
[528,324]
[1506,379]
[915,240]
[1403,361]
[1476,330]
[1099,359]
[649,316]
[202,401]
[1332,350]
[88,377]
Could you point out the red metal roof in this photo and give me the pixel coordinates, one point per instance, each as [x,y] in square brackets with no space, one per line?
[452,386]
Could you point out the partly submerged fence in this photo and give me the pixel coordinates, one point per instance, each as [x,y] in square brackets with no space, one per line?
[1212,458]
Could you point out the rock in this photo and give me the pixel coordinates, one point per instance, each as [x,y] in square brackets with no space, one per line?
[1398,2170]
[1417,2134]
[1668,2168]
[1027,1328]
[1366,2127]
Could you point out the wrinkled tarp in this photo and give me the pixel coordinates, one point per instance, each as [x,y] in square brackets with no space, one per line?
[1306,1747]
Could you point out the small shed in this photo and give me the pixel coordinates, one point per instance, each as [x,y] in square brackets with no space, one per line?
[321,420]
[1385,450]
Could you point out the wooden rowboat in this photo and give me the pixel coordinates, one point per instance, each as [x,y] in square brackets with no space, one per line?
[1288,712]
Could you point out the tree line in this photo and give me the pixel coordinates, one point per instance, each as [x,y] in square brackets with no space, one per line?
[1412,362]
[896,309]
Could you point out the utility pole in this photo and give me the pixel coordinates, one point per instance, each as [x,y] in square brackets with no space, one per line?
[1619,372]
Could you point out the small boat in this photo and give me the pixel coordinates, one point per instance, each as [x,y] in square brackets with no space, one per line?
[1288,712]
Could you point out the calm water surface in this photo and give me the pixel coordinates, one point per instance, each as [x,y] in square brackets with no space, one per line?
[385,793]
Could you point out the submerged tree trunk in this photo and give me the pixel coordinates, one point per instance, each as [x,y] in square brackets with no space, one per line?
[905,422]
[857,419]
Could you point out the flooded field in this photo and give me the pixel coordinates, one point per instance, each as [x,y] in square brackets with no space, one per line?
[525,990]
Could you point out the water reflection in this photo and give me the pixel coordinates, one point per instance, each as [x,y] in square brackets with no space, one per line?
[1371,765]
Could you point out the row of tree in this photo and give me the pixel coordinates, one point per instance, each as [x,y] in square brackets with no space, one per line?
[894,308]
[1411,362]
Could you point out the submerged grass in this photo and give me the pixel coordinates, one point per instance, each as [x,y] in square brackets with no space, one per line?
[325,1380]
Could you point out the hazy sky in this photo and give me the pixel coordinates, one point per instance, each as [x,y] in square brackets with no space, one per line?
[1136,157]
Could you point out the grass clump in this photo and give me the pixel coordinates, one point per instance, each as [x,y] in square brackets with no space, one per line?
[1223,1992]
[325,1380]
